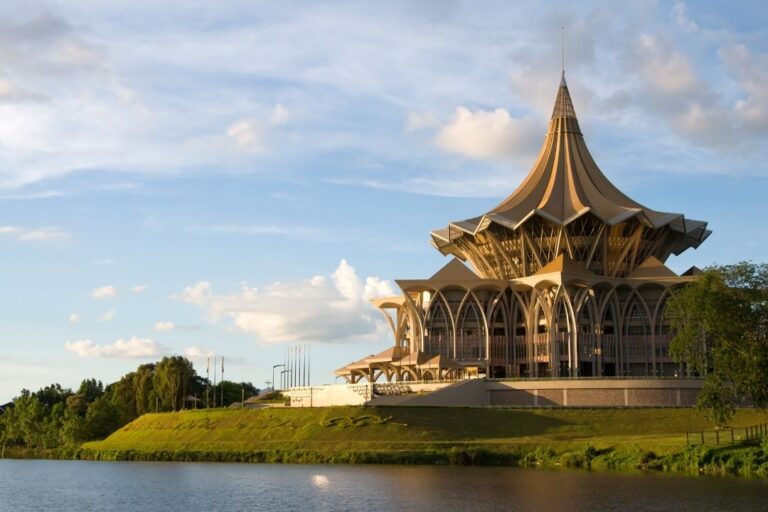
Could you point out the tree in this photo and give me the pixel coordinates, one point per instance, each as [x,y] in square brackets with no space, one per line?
[53,394]
[102,418]
[27,419]
[720,325]
[123,396]
[234,391]
[172,381]
[143,388]
[90,389]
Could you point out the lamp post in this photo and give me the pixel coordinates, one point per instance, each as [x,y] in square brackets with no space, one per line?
[273,374]
[281,376]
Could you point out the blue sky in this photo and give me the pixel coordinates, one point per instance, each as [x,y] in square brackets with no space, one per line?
[230,178]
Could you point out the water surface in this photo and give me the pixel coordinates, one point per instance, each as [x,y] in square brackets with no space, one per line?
[37,485]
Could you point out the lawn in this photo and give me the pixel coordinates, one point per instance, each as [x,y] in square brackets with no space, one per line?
[337,429]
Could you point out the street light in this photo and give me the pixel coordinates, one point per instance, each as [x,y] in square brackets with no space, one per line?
[273,374]
[281,377]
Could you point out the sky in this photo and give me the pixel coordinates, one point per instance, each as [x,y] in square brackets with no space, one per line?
[232,178]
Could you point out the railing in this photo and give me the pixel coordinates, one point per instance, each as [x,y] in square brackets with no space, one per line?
[612,377]
[727,435]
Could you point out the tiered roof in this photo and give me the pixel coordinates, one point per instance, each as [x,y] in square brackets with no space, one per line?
[564,184]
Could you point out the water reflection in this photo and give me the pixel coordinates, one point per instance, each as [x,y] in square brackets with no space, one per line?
[183,487]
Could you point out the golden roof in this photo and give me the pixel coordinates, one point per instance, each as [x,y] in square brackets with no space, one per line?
[566,183]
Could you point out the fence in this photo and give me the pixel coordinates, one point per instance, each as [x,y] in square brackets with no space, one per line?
[727,435]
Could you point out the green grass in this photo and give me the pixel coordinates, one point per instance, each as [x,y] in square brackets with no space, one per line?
[610,438]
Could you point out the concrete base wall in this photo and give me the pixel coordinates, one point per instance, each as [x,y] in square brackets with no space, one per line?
[522,393]
[329,395]
[595,393]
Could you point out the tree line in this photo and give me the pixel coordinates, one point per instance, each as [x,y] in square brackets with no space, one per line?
[720,326]
[55,417]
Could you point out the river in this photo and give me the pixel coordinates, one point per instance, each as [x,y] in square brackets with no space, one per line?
[42,485]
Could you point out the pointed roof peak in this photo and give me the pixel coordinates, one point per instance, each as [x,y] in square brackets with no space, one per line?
[454,270]
[563,103]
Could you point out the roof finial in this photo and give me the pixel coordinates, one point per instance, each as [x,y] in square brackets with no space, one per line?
[562,51]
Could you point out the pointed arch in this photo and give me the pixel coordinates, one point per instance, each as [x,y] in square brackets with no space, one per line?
[439,328]
[636,335]
[470,332]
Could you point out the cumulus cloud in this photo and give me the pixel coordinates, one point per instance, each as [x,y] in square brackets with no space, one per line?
[103,292]
[73,318]
[164,326]
[485,134]
[334,309]
[107,316]
[666,70]
[198,352]
[139,288]
[133,348]
[44,234]
[671,88]
[751,72]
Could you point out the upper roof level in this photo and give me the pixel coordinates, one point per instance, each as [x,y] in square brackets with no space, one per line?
[565,184]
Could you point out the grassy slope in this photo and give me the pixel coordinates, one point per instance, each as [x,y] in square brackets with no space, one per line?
[622,437]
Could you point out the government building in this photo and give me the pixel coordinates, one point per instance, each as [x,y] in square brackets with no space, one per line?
[565,278]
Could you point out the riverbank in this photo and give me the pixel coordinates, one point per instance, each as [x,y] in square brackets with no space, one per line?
[616,439]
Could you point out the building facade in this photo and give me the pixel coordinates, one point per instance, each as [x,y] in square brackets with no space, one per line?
[566,278]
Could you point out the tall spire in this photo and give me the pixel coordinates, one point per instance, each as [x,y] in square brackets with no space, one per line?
[562,54]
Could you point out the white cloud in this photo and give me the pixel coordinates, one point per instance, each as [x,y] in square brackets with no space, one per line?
[107,316]
[74,318]
[375,287]
[316,309]
[280,115]
[164,326]
[752,74]
[664,68]
[682,20]
[43,234]
[129,349]
[139,288]
[198,352]
[250,135]
[420,120]
[247,135]
[485,134]
[104,292]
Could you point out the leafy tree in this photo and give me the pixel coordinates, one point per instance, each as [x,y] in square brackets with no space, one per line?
[4,415]
[102,418]
[90,389]
[52,426]
[172,381]
[123,396]
[143,388]
[720,323]
[234,391]
[53,394]
[27,420]
[73,429]
[77,404]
